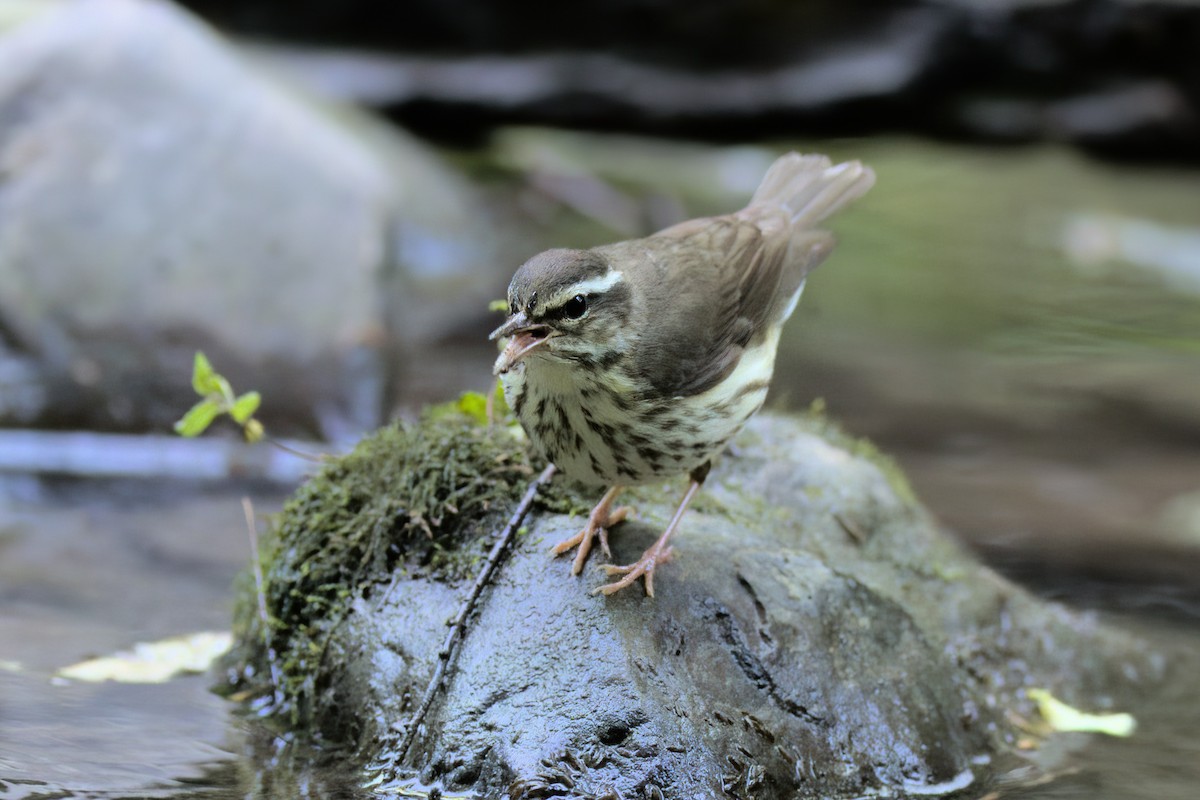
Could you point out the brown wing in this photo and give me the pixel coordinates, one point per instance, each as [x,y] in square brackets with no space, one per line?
[704,290]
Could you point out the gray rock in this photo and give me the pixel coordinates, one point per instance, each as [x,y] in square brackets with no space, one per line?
[161,195]
[815,635]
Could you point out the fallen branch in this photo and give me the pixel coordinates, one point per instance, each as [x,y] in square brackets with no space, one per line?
[454,636]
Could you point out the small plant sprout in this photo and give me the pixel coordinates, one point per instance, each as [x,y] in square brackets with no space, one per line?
[218,399]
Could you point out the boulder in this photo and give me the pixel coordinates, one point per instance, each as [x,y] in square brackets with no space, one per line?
[161,194]
[815,635]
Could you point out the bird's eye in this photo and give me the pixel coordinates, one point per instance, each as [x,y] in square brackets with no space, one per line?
[575,308]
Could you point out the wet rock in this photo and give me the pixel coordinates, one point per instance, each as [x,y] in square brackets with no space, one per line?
[161,195]
[816,634]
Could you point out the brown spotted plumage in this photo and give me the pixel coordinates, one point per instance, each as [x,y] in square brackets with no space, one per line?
[634,362]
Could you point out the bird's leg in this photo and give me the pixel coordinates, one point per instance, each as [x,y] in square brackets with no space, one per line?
[659,552]
[603,517]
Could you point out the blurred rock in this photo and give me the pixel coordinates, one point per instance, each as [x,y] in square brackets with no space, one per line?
[22,388]
[1179,520]
[1114,76]
[159,196]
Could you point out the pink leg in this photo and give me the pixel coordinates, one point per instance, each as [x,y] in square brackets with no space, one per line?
[658,553]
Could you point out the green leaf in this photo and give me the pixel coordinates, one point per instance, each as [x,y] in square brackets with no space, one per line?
[498,305]
[224,392]
[474,405]
[205,380]
[198,418]
[245,406]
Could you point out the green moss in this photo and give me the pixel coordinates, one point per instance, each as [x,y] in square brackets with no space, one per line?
[820,423]
[426,499]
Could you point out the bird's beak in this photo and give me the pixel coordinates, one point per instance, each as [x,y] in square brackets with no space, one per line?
[523,338]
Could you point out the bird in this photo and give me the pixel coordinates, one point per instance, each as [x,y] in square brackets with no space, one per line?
[634,363]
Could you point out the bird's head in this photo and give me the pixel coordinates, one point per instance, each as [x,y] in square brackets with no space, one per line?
[563,304]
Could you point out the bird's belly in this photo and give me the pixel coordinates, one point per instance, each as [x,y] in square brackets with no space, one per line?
[608,435]
[597,442]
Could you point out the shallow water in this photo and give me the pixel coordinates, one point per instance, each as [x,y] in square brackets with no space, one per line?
[1019,328]
[992,321]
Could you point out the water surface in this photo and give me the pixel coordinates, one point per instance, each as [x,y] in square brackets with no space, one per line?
[1018,327]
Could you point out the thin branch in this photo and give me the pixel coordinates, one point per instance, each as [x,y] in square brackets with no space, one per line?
[317,458]
[255,564]
[260,592]
[457,625]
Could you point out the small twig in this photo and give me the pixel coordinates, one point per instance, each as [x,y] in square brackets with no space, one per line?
[316,458]
[252,532]
[454,636]
[260,592]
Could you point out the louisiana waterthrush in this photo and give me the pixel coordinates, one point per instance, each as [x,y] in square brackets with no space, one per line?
[638,361]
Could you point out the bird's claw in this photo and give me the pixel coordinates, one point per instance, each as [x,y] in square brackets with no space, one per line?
[597,526]
[642,568]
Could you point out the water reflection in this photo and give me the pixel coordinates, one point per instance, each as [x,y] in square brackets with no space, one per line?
[86,571]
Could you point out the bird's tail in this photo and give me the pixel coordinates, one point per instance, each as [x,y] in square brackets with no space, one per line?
[810,189]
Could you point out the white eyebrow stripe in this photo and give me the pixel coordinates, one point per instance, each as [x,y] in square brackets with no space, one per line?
[600,284]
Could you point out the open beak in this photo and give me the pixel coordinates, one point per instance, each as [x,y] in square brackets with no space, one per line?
[523,338]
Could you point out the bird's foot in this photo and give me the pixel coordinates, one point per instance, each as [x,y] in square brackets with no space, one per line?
[602,518]
[659,553]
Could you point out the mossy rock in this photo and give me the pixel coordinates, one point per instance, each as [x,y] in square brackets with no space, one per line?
[816,634]
[419,501]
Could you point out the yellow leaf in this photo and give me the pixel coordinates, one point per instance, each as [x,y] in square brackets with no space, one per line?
[1062,717]
[253,431]
[153,662]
